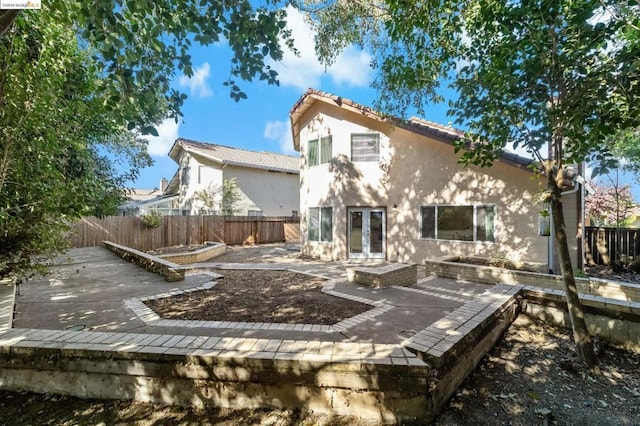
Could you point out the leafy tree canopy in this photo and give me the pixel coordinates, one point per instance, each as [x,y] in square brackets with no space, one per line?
[140,44]
[59,150]
[626,149]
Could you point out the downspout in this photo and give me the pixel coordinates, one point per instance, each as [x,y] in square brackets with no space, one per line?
[578,180]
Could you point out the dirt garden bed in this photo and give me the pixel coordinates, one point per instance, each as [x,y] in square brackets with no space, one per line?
[260,296]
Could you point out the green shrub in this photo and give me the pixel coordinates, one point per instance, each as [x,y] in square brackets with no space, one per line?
[152,220]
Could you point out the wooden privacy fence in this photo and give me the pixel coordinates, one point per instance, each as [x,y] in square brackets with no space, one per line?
[183,230]
[601,248]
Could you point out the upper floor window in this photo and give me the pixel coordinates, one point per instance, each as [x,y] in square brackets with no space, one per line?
[185,175]
[365,147]
[201,172]
[461,223]
[320,151]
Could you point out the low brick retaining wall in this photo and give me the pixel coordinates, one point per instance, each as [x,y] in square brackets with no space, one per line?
[455,344]
[385,383]
[373,381]
[171,271]
[211,250]
[449,267]
[615,321]
[399,274]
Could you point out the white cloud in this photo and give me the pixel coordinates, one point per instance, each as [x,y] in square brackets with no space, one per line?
[280,131]
[167,134]
[351,67]
[197,83]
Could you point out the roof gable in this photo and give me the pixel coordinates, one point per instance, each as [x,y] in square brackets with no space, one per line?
[227,155]
[446,134]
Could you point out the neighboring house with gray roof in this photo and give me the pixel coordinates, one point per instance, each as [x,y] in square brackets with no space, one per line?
[134,199]
[268,182]
[372,186]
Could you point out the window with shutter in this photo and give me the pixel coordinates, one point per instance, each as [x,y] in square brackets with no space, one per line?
[365,147]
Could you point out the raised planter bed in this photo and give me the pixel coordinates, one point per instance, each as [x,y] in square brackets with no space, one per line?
[171,271]
[209,251]
[454,267]
[400,274]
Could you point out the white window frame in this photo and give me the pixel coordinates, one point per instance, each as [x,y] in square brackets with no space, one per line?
[320,151]
[474,226]
[375,138]
[321,237]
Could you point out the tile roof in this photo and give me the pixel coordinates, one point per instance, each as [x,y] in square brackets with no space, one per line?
[141,194]
[447,134]
[236,156]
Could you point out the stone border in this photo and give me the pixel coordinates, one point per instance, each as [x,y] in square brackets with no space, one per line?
[171,271]
[616,321]
[445,267]
[454,345]
[380,382]
[149,317]
[212,249]
[434,343]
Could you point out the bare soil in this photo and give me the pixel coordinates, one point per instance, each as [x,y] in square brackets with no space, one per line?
[607,273]
[260,296]
[533,374]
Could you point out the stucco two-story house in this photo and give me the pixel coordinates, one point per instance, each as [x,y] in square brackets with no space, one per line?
[374,187]
[268,183]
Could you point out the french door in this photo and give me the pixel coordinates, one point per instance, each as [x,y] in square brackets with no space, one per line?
[366,233]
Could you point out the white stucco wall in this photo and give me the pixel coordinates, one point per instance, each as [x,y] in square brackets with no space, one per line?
[421,171]
[272,193]
[202,174]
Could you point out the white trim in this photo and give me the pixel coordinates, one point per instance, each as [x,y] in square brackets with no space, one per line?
[474,225]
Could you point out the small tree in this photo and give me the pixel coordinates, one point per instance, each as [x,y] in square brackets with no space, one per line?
[220,199]
[610,205]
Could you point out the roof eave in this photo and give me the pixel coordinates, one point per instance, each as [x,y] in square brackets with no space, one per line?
[422,127]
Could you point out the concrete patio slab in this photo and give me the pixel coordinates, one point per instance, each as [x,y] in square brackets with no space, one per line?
[88,287]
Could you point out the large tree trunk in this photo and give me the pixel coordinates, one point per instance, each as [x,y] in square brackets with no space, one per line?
[578,325]
[7,16]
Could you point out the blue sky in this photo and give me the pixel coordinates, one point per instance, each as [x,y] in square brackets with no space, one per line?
[261,122]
